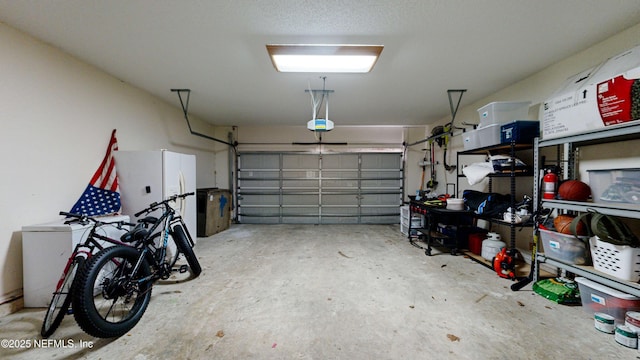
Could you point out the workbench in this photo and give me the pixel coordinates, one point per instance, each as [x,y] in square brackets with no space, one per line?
[435,214]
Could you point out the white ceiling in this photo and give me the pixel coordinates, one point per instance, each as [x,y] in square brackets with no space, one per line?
[216,48]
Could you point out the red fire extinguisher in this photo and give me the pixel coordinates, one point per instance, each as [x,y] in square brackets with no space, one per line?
[549,184]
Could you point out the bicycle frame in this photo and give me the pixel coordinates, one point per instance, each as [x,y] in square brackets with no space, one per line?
[91,243]
[167,219]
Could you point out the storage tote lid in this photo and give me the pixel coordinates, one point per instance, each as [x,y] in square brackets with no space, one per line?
[60,226]
[605,289]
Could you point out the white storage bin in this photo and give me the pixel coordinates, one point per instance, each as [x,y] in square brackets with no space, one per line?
[404,229]
[489,135]
[46,249]
[596,297]
[565,247]
[471,140]
[404,212]
[620,261]
[615,185]
[502,112]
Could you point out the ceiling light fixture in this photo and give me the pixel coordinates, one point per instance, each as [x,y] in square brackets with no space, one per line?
[324,58]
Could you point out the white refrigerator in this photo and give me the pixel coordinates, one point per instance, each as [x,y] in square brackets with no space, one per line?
[151,176]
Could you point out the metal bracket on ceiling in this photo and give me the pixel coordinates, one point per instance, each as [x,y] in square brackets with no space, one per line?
[454,111]
[185,108]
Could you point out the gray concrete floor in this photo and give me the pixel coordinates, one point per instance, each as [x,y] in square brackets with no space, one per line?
[331,292]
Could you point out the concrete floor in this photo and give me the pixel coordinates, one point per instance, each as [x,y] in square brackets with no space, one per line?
[331,292]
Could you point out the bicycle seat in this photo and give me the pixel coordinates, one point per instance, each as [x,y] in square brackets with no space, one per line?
[135,234]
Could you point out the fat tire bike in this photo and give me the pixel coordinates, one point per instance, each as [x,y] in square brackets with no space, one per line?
[61,299]
[113,289]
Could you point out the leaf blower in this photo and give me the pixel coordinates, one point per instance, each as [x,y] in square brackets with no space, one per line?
[504,264]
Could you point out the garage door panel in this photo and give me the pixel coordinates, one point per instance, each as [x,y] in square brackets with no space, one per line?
[260,161]
[340,161]
[260,199]
[299,184]
[297,199]
[300,161]
[379,199]
[381,161]
[340,199]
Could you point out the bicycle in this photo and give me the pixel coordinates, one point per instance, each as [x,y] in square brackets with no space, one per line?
[113,289]
[61,299]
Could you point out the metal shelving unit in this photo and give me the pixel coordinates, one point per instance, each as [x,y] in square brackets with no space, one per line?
[623,132]
[509,149]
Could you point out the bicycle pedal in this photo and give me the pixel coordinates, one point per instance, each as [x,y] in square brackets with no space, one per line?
[183,269]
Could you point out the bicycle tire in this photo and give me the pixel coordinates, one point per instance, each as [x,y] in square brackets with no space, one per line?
[61,299]
[107,301]
[180,238]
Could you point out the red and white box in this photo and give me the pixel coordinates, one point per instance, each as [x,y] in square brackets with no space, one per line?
[605,95]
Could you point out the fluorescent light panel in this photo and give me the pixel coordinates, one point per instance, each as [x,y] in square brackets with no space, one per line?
[324,58]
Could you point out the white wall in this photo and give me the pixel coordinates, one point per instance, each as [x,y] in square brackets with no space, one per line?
[56,118]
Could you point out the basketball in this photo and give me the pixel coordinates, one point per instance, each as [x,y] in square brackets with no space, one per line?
[562,223]
[574,190]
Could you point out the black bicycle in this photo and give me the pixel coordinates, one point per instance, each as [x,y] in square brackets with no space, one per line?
[113,289]
[61,300]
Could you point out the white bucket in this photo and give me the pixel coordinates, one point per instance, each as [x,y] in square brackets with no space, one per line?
[455,204]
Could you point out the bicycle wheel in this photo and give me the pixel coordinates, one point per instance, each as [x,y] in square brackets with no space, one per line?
[183,245]
[108,299]
[61,298]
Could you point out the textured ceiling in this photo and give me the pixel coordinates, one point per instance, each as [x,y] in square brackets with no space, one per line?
[216,48]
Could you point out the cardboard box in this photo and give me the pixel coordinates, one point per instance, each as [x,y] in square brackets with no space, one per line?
[214,211]
[604,95]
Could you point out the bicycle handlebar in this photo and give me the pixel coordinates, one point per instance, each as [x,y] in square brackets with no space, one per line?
[165,202]
[85,219]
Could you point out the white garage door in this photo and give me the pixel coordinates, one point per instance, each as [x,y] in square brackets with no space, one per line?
[293,188]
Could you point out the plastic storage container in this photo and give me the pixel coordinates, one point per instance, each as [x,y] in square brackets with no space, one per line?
[489,135]
[615,185]
[596,297]
[475,242]
[470,140]
[502,112]
[455,204]
[565,247]
[620,261]
[520,131]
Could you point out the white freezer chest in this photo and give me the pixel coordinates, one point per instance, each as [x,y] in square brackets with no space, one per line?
[45,251]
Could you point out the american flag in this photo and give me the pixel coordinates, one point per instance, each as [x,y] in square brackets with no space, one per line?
[102,195]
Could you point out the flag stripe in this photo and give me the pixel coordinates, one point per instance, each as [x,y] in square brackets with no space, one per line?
[108,160]
[102,194]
